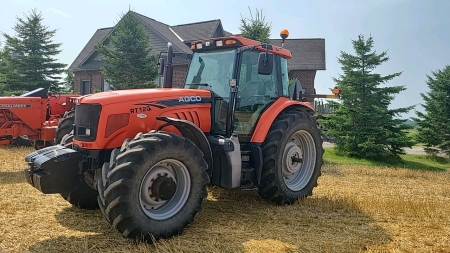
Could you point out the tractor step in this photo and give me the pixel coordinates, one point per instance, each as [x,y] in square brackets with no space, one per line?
[249,187]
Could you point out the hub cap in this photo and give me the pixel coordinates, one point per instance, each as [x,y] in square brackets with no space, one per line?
[299,160]
[164,189]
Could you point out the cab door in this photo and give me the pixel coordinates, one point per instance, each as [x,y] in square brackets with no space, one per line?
[255,93]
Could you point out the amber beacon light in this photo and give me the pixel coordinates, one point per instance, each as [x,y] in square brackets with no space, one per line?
[284,34]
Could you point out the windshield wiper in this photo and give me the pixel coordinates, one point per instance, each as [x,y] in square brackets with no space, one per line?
[198,84]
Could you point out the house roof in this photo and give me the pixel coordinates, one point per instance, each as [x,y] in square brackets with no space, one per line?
[307,54]
[164,32]
[194,31]
[89,48]
[179,35]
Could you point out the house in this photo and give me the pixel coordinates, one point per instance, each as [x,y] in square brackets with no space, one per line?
[308,54]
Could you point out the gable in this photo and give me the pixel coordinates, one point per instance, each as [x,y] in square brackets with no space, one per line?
[89,48]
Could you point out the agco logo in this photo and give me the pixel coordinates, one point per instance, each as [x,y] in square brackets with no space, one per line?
[187,99]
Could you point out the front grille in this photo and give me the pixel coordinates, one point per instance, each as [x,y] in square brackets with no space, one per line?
[87,117]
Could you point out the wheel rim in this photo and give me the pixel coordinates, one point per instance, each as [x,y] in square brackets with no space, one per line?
[299,160]
[158,197]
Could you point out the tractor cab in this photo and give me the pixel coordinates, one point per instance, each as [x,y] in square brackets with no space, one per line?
[245,78]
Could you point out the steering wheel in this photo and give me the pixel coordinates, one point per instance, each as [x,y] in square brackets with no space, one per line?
[255,96]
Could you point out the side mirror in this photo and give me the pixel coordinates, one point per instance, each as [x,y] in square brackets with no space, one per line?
[265,63]
[161,65]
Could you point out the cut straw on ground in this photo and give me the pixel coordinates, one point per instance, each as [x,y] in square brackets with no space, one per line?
[358,208]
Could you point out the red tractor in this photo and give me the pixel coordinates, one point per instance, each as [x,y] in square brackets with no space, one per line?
[145,157]
[33,117]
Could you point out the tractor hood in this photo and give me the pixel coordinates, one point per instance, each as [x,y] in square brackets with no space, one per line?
[113,97]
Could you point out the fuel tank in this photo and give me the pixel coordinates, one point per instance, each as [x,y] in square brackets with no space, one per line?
[103,120]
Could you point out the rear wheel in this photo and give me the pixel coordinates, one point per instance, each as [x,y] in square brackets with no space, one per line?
[292,155]
[65,125]
[85,196]
[154,187]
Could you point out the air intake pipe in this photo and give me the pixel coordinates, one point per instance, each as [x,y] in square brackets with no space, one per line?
[168,72]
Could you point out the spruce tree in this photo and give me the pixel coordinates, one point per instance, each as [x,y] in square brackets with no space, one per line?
[434,123]
[29,56]
[255,28]
[363,124]
[2,73]
[128,63]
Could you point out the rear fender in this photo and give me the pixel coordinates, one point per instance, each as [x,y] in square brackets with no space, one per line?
[268,116]
[193,133]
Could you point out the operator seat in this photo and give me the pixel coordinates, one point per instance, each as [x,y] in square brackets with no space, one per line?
[253,91]
[39,92]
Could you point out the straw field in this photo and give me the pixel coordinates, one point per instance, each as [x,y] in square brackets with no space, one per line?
[355,208]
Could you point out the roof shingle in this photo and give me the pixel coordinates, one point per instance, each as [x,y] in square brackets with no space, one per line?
[307,54]
[179,35]
[98,36]
[195,31]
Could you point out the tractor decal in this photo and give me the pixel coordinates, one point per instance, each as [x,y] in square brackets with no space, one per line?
[176,102]
[14,106]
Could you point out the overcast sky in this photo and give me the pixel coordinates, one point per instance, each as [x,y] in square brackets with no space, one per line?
[414,32]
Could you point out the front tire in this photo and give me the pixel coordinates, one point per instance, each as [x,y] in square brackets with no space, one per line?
[154,187]
[292,156]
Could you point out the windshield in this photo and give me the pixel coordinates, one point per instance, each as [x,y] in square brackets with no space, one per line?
[212,71]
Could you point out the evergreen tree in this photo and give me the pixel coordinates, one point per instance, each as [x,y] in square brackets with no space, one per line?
[255,28]
[128,62]
[29,56]
[362,123]
[434,123]
[2,73]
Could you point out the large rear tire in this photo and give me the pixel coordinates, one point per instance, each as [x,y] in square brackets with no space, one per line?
[85,196]
[154,187]
[65,125]
[292,155]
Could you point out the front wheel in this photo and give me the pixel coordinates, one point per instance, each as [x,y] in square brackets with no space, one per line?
[292,155]
[154,187]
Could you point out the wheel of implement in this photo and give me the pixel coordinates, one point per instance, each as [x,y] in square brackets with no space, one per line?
[153,186]
[65,125]
[23,141]
[292,155]
[85,196]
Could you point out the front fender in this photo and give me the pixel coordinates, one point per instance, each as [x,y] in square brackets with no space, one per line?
[193,133]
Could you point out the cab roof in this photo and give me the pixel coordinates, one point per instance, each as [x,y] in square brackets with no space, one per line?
[236,41]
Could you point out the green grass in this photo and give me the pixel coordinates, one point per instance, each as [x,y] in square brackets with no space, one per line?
[412,133]
[410,161]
